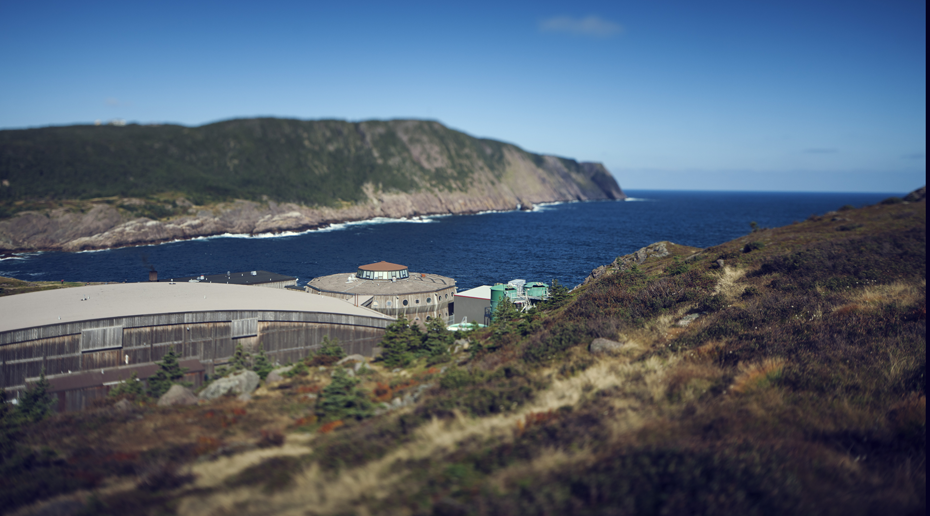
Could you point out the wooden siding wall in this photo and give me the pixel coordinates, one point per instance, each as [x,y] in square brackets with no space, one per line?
[205,336]
[79,399]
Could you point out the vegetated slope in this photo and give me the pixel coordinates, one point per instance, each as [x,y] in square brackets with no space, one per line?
[780,373]
[167,171]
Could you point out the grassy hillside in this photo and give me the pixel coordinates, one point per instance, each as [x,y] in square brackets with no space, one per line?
[780,373]
[308,162]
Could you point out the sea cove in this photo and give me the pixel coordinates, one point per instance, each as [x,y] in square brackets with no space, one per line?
[559,241]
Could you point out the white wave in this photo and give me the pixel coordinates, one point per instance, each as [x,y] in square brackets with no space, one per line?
[637,199]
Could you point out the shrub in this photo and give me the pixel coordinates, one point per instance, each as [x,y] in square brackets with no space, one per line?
[712,303]
[342,400]
[240,359]
[261,364]
[456,378]
[398,340]
[299,369]
[37,403]
[169,372]
[753,246]
[677,267]
[892,200]
[331,348]
[132,387]
[558,296]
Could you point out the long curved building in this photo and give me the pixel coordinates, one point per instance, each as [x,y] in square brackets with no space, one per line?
[88,338]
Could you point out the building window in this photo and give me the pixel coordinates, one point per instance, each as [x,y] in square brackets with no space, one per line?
[405,302]
[429,300]
[417,301]
[388,304]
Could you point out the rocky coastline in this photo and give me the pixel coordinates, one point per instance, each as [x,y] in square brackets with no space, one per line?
[103,226]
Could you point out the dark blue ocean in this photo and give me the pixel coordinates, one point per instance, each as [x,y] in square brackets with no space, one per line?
[561,241]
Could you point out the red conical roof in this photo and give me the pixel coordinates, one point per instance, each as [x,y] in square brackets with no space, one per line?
[383,266]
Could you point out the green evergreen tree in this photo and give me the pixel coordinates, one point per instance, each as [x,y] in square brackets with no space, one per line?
[37,403]
[505,311]
[261,364]
[396,344]
[331,348]
[342,400]
[240,359]
[558,295]
[438,339]
[132,387]
[169,372]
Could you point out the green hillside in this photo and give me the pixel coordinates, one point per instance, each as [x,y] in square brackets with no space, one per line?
[308,162]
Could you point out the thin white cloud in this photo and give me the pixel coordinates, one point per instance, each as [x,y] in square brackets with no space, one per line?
[593,26]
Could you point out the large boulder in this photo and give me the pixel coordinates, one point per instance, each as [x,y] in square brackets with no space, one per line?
[602,346]
[351,359]
[177,395]
[240,383]
[277,375]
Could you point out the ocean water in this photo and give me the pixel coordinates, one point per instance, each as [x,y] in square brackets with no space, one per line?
[559,241]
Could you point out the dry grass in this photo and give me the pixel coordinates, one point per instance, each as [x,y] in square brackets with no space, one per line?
[644,384]
[728,285]
[757,376]
[548,461]
[213,473]
[897,292]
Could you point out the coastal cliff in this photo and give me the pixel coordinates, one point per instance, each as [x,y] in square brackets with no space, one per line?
[85,187]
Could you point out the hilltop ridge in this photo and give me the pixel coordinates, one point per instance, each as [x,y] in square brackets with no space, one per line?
[93,187]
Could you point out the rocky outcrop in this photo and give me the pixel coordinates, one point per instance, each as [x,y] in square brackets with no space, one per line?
[601,346]
[103,226]
[917,195]
[177,395]
[623,263]
[237,384]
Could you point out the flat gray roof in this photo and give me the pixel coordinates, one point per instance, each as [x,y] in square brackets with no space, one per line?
[131,299]
[347,283]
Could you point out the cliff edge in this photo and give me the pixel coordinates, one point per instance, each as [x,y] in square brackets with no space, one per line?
[86,187]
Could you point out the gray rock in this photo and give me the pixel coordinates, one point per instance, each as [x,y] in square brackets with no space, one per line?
[688,319]
[720,264]
[177,395]
[240,383]
[623,263]
[601,346]
[244,397]
[459,345]
[277,375]
[123,405]
[360,366]
[351,358]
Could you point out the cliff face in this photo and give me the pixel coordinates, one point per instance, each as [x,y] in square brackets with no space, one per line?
[258,176]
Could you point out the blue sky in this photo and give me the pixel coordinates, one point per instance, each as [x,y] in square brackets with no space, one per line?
[803,96]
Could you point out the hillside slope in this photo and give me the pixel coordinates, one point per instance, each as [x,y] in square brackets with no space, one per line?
[88,187]
[783,372]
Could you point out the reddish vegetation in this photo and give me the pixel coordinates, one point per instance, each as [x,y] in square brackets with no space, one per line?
[329,427]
